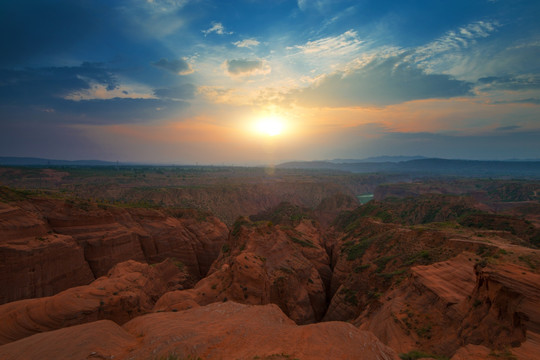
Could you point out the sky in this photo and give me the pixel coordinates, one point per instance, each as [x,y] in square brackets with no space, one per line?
[262,82]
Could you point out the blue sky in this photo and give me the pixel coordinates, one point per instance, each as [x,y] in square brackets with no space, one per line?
[187,81]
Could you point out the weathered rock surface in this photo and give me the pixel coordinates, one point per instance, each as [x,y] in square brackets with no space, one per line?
[234,331]
[449,307]
[130,289]
[426,310]
[47,245]
[34,262]
[262,264]
[102,339]
[505,311]
[217,331]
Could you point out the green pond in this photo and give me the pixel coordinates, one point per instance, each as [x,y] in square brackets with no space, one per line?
[364,198]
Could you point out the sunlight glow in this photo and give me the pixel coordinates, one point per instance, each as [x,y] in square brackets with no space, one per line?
[270,126]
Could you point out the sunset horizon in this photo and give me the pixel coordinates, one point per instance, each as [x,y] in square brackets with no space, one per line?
[251,82]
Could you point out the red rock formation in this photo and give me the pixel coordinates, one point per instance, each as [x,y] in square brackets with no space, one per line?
[190,236]
[97,340]
[33,261]
[130,289]
[504,309]
[425,311]
[233,331]
[264,264]
[218,331]
[47,246]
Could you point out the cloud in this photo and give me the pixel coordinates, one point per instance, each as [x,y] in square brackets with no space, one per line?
[245,67]
[166,5]
[119,110]
[489,145]
[455,40]
[176,66]
[100,91]
[182,92]
[336,45]
[515,83]
[307,4]
[88,94]
[458,52]
[35,85]
[217,28]
[380,82]
[246,43]
[533,101]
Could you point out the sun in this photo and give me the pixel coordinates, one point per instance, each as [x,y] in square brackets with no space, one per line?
[271,126]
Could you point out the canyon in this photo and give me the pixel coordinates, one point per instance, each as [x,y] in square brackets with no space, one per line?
[218,263]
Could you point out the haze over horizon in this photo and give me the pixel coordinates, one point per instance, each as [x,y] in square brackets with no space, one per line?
[237,82]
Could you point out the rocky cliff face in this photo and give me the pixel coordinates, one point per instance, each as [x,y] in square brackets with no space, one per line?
[504,310]
[128,290]
[35,261]
[262,263]
[436,277]
[50,245]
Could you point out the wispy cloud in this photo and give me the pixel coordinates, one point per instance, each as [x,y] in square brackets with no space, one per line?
[345,43]
[440,54]
[378,83]
[316,4]
[515,83]
[166,5]
[246,43]
[217,28]
[457,39]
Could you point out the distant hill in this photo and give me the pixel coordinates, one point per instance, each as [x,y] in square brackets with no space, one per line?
[30,161]
[430,167]
[378,159]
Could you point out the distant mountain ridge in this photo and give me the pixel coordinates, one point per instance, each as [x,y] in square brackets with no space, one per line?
[378,159]
[429,167]
[31,161]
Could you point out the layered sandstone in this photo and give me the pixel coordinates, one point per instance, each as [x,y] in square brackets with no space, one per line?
[260,264]
[217,331]
[129,289]
[48,245]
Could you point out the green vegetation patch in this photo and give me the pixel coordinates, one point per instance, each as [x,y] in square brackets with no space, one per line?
[355,250]
[180,265]
[382,262]
[361,268]
[390,275]
[503,355]
[303,243]
[416,354]
[527,259]
[349,296]
[424,257]
[178,357]
[225,248]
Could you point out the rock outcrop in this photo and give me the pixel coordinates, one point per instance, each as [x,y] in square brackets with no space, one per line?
[217,331]
[48,245]
[264,263]
[34,261]
[504,311]
[129,289]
